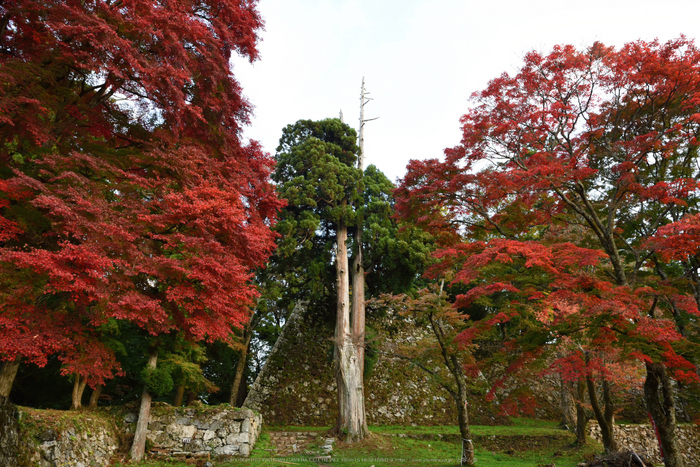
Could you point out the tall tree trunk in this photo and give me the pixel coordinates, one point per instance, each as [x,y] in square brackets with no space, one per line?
[240,366]
[662,408]
[242,392]
[358,318]
[95,396]
[358,299]
[358,280]
[8,372]
[351,403]
[138,448]
[606,420]
[179,395]
[78,390]
[581,415]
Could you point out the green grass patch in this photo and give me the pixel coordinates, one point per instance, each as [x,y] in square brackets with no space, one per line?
[526,443]
[385,448]
[520,426]
[391,451]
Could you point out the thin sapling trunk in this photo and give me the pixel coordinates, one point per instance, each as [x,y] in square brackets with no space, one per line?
[138,448]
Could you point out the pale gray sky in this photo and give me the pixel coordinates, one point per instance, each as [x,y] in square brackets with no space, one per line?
[421,60]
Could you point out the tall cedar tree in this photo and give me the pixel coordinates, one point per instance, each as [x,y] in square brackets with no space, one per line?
[125,191]
[317,175]
[602,140]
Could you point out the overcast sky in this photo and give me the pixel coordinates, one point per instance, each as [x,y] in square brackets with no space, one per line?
[421,60]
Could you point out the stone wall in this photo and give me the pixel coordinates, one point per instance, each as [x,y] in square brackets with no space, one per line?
[297,384]
[200,431]
[642,440]
[55,438]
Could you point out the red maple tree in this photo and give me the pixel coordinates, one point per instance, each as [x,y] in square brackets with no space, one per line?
[604,143]
[125,190]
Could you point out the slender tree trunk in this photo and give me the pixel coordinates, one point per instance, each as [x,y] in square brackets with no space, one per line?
[581,415]
[358,319]
[464,430]
[242,392]
[455,366]
[240,366]
[138,448]
[191,397]
[8,373]
[463,412]
[358,280]
[351,402]
[662,408]
[358,300]
[179,395]
[606,420]
[78,390]
[95,396]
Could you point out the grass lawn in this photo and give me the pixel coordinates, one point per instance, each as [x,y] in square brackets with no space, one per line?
[385,448]
[526,443]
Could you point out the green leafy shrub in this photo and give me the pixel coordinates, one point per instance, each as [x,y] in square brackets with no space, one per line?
[158,381]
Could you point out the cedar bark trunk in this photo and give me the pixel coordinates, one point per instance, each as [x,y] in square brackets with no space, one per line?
[240,366]
[358,299]
[358,321]
[95,396]
[581,415]
[78,391]
[661,406]
[351,403]
[138,448]
[8,372]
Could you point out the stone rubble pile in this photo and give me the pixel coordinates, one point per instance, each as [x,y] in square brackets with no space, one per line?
[309,443]
[641,439]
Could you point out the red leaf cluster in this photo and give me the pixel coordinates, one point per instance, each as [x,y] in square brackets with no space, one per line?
[575,184]
[125,191]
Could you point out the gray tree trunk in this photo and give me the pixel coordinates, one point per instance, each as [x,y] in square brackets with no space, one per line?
[240,366]
[351,402]
[606,419]
[8,372]
[78,391]
[95,396]
[138,448]
[179,395]
[358,307]
[661,406]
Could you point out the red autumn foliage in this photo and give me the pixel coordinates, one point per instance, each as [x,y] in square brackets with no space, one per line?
[125,190]
[560,203]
